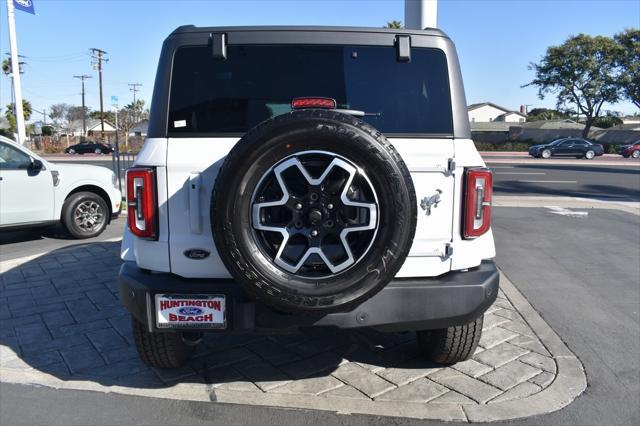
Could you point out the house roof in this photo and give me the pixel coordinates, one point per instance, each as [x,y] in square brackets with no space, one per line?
[92,123]
[480,105]
[512,112]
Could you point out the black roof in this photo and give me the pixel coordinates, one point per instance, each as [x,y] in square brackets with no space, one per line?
[187,29]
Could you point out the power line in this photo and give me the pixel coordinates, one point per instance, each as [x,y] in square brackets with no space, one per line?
[98,58]
[84,111]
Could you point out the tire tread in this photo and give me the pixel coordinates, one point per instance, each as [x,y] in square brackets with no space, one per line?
[452,344]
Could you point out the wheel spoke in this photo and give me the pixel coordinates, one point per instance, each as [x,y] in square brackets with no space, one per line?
[315,212]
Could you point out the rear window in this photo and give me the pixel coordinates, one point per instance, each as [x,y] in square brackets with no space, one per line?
[256,82]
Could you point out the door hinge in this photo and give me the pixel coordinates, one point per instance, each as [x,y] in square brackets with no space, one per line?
[448,250]
[403,48]
[218,45]
[451,165]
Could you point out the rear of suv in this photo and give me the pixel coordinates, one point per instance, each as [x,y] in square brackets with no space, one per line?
[298,177]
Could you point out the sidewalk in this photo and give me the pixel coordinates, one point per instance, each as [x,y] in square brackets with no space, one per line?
[62,326]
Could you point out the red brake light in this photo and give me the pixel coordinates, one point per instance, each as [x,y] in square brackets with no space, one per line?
[299,103]
[477,208]
[142,204]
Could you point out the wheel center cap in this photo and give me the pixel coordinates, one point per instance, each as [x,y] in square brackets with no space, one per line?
[315,216]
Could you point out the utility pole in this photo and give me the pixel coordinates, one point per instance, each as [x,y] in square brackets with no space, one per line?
[17,88]
[84,111]
[98,58]
[134,89]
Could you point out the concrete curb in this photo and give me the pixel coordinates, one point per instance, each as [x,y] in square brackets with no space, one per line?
[569,383]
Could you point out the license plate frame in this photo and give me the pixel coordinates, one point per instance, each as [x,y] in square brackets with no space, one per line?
[190,311]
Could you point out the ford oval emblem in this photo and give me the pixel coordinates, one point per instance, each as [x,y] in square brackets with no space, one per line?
[196,253]
[190,311]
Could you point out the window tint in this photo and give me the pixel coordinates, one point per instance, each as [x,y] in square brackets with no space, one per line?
[12,158]
[257,82]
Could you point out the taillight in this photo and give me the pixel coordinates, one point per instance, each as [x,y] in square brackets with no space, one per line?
[477,208]
[300,103]
[142,204]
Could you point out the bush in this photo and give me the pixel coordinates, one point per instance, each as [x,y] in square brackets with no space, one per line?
[52,146]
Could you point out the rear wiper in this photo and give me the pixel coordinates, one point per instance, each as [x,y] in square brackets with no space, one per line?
[358,113]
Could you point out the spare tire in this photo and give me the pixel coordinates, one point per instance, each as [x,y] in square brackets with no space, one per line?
[313,211]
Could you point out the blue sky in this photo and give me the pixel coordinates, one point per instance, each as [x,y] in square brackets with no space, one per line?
[495,39]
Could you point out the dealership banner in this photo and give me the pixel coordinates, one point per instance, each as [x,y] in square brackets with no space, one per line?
[25,6]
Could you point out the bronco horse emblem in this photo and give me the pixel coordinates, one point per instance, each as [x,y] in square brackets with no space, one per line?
[432,201]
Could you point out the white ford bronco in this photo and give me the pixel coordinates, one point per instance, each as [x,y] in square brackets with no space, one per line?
[298,177]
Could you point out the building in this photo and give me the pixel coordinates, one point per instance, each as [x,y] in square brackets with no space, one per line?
[93,128]
[140,129]
[632,120]
[488,112]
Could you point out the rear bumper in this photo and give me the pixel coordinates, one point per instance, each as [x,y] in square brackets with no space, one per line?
[404,304]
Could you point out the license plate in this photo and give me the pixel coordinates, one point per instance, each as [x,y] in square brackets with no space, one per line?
[190,311]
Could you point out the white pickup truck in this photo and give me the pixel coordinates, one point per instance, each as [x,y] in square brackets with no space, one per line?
[299,177]
[35,192]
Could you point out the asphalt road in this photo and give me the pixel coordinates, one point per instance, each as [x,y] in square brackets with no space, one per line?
[577,178]
[582,274]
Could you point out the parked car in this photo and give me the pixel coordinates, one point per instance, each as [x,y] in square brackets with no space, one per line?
[631,150]
[35,192]
[88,147]
[567,147]
[257,207]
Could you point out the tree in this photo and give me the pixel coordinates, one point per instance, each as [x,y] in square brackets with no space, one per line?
[109,116]
[537,114]
[582,72]
[6,67]
[394,24]
[11,118]
[59,112]
[129,116]
[76,113]
[628,59]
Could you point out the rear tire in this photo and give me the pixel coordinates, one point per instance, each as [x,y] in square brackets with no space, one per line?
[452,344]
[635,154]
[160,350]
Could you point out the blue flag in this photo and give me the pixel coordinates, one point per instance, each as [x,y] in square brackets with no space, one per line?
[25,6]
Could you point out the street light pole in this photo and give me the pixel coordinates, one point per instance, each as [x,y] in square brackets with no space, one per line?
[420,14]
[17,88]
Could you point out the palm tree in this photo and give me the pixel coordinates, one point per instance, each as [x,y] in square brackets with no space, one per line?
[394,24]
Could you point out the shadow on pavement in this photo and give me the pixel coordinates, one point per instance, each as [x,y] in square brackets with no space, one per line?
[31,234]
[60,314]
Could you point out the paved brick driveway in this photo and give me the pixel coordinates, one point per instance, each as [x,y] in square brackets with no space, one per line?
[62,325]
